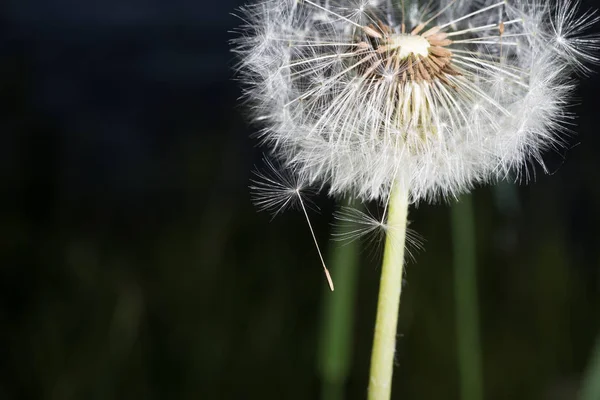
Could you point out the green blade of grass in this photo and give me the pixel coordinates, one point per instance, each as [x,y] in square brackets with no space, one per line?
[466,303]
[335,352]
[591,381]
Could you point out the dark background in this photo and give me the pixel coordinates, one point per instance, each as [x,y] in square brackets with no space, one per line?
[133,264]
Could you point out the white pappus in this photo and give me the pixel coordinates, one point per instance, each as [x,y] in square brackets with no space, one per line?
[437,96]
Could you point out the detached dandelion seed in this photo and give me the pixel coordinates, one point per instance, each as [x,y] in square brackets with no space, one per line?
[408,101]
[275,191]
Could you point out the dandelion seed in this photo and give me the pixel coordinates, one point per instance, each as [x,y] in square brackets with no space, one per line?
[275,191]
[353,224]
[569,28]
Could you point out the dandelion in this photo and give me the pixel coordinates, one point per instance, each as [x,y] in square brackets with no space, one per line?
[404,101]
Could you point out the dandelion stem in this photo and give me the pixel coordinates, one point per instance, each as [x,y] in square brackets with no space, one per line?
[465,293]
[390,287]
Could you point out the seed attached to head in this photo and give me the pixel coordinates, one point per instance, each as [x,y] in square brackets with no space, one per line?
[414,57]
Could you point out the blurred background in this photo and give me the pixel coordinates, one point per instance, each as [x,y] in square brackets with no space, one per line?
[133,264]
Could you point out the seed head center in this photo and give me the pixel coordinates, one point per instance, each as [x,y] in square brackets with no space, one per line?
[407,57]
[409,44]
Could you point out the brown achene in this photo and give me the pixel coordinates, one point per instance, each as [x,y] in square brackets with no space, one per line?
[408,57]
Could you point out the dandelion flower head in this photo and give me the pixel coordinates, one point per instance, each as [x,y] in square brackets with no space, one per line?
[359,95]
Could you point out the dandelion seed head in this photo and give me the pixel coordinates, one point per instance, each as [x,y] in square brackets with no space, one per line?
[438,95]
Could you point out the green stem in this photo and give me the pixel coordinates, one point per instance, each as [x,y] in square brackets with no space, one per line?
[466,300]
[390,287]
[337,325]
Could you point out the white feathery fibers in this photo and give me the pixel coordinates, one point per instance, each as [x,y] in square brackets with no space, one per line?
[434,95]
[275,190]
[354,224]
